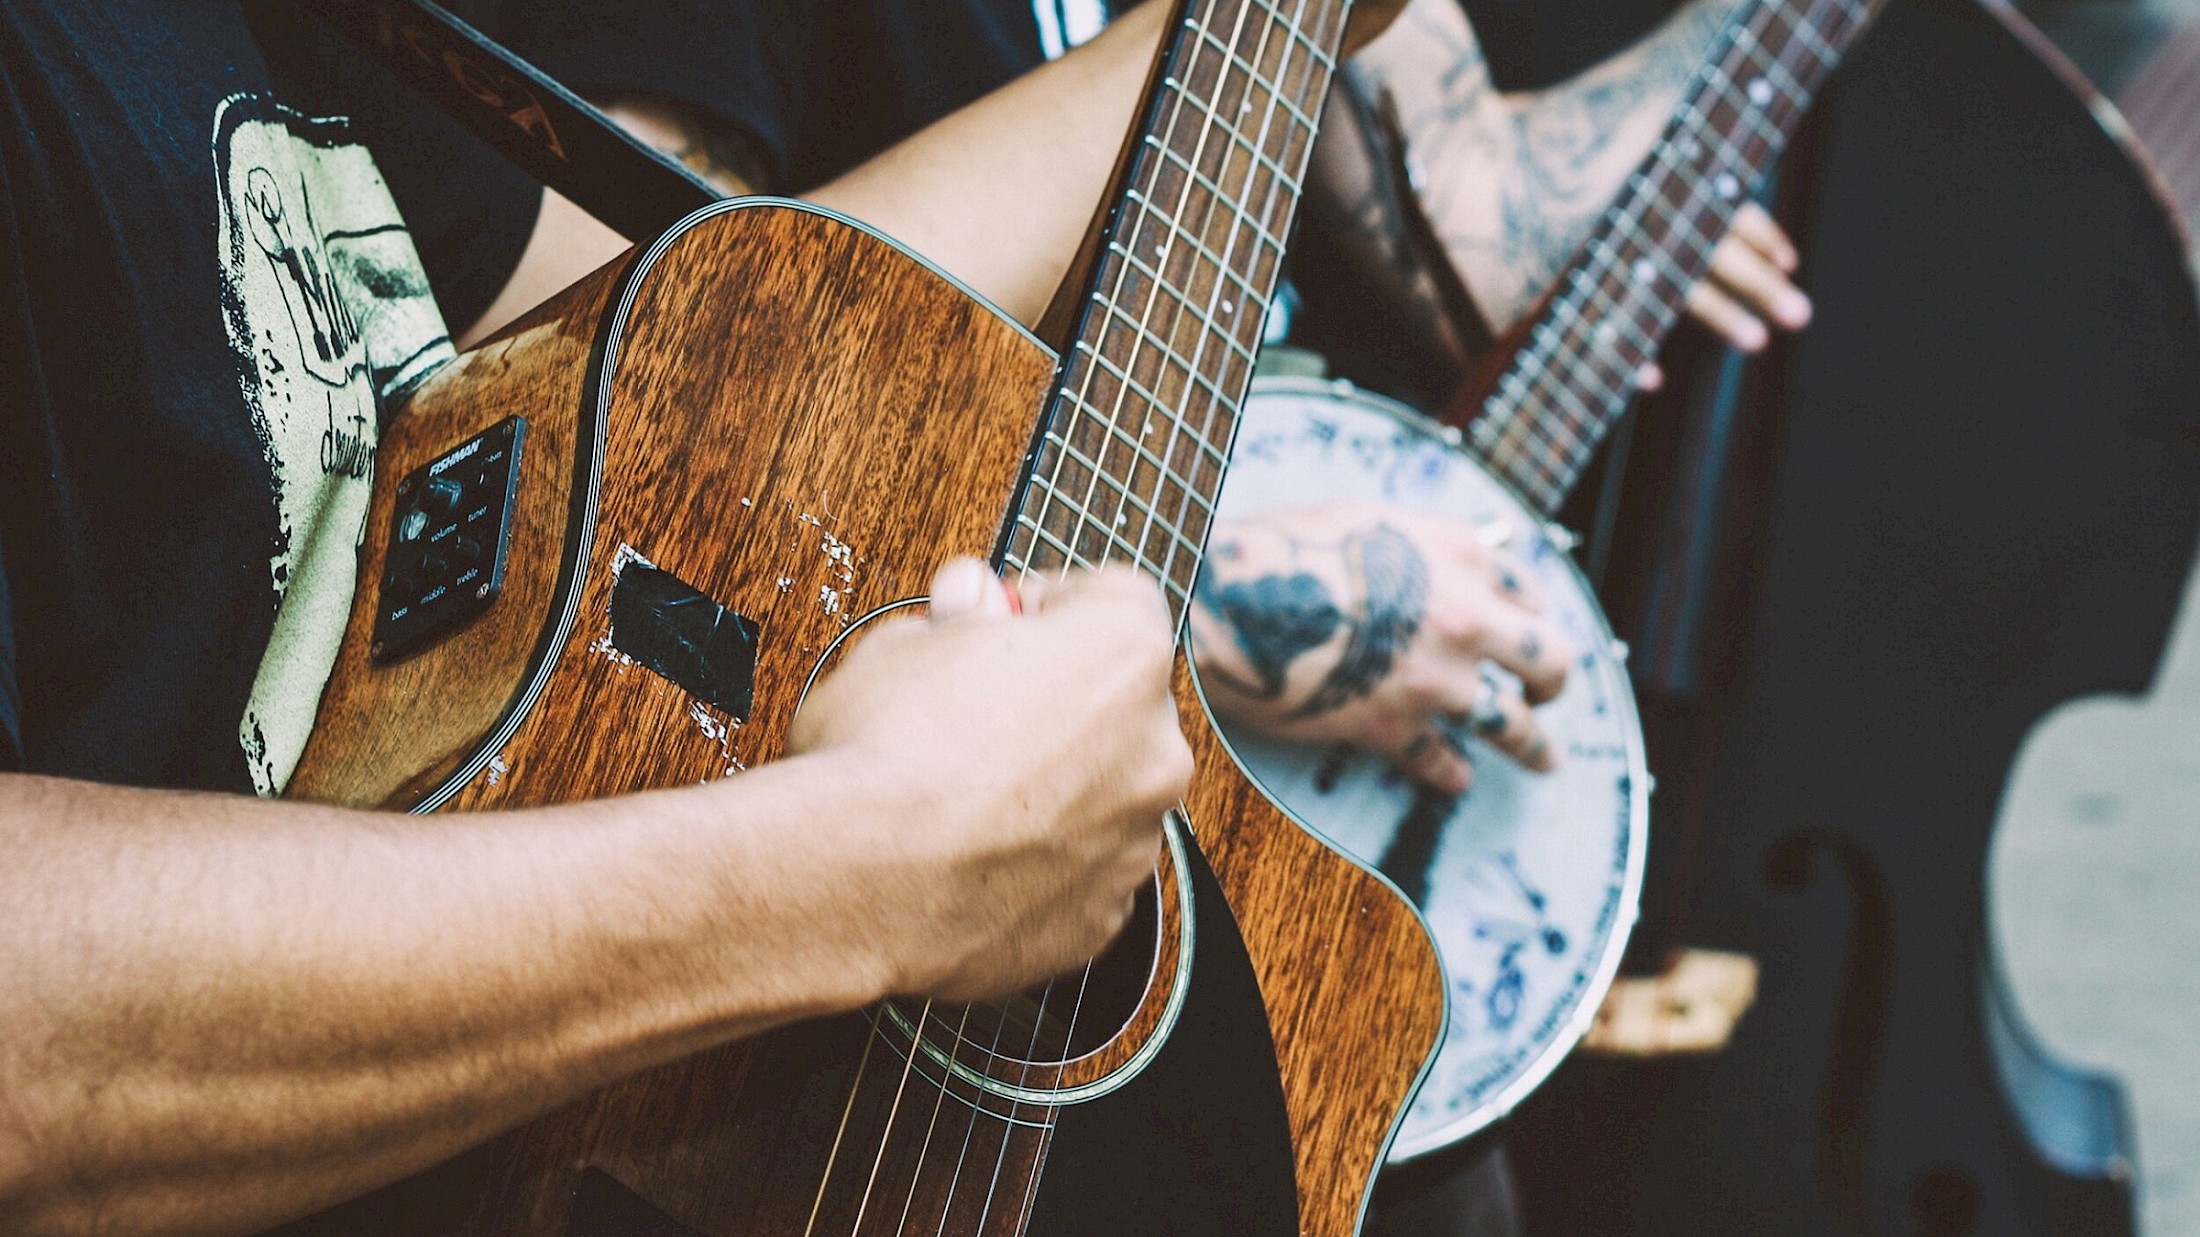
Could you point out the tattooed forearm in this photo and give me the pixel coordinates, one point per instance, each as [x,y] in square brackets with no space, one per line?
[1512,182]
[1394,599]
[1574,143]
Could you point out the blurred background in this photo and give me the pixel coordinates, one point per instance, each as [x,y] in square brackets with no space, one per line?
[1936,766]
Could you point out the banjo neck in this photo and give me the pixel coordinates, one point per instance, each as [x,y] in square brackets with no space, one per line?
[1130,454]
[1611,308]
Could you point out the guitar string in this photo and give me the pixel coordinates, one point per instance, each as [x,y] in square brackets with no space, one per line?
[1096,358]
[1318,65]
[909,1062]
[1206,452]
[1556,447]
[1071,408]
[970,1131]
[1024,569]
[1557,453]
[1513,446]
[931,1126]
[1277,100]
[1539,443]
[1198,38]
[847,1110]
[893,1113]
[1079,406]
[1146,215]
[1575,329]
[1254,308]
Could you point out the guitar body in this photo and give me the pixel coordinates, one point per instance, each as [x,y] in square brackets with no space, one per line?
[796,420]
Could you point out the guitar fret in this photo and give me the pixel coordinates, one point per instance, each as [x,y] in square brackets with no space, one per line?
[1582,417]
[1314,52]
[1123,493]
[1089,540]
[1748,112]
[1273,250]
[1171,355]
[1684,222]
[1259,156]
[1776,70]
[1615,311]
[1802,34]
[1197,379]
[1184,281]
[1072,557]
[1115,371]
[1277,98]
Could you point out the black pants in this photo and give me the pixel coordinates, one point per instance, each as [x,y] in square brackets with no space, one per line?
[1466,1191]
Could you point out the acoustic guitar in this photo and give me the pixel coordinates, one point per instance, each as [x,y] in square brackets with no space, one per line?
[610,549]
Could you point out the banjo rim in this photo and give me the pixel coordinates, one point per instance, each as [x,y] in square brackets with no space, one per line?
[1409,1146]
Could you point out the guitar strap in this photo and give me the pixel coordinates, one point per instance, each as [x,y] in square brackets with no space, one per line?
[548,131]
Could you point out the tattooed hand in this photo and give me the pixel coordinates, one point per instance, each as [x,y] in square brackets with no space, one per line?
[1365,624]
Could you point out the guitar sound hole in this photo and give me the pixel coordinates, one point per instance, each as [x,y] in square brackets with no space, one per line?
[1071,1017]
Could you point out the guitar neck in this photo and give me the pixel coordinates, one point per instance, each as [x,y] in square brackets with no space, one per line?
[1612,308]
[1131,450]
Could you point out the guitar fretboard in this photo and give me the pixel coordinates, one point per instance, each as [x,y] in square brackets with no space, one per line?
[1614,306]
[1140,427]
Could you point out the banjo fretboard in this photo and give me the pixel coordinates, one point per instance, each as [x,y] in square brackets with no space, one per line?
[1614,305]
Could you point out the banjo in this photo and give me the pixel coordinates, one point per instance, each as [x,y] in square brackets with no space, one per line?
[1530,882]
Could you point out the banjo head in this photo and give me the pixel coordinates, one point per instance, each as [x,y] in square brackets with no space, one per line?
[1529,882]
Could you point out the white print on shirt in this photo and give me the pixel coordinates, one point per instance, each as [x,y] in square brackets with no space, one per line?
[1064,24]
[329,311]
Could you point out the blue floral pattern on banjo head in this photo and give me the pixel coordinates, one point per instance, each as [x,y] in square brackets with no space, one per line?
[1530,882]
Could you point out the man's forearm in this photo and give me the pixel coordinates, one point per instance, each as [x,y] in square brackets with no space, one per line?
[1512,183]
[217,1012]
[1001,192]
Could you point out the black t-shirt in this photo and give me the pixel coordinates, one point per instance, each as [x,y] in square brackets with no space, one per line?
[206,294]
[821,85]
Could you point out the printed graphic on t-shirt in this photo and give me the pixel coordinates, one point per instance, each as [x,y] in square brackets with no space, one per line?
[329,312]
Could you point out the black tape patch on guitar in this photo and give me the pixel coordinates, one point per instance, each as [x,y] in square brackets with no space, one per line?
[672,628]
[604,1207]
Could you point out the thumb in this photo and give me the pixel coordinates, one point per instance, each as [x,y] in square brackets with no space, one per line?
[965,586]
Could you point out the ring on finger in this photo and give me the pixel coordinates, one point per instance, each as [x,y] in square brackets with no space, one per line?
[1486,716]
